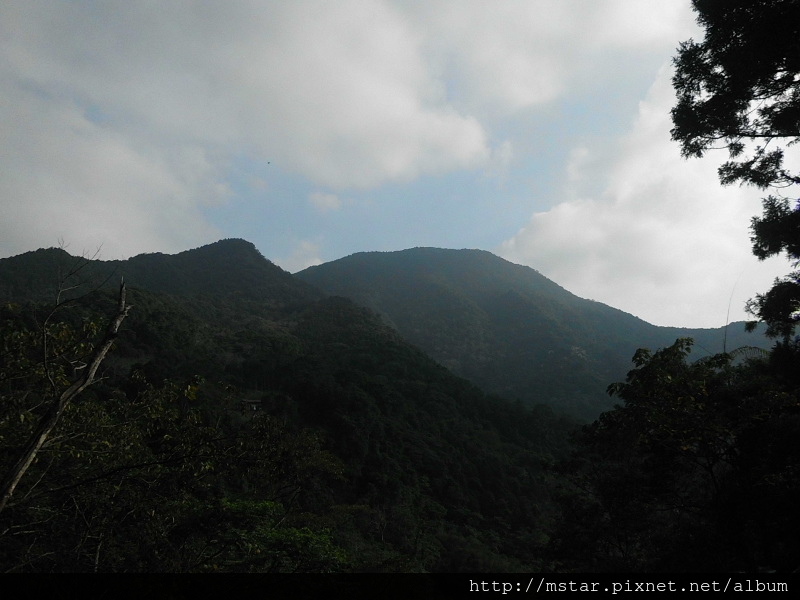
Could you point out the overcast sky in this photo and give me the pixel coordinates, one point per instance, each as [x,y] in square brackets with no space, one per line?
[535,129]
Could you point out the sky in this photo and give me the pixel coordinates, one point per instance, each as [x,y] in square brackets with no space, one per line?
[535,129]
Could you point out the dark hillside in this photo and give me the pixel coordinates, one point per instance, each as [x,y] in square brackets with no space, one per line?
[506,327]
[225,269]
[244,422]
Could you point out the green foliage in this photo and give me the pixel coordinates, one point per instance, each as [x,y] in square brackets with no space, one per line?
[740,85]
[740,89]
[659,482]
[230,434]
[779,307]
[428,456]
[724,437]
[138,481]
[503,326]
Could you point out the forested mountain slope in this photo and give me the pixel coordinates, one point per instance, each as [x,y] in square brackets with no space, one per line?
[244,422]
[506,327]
[229,268]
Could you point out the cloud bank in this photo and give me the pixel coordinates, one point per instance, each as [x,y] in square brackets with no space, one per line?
[128,112]
[661,239]
[125,116]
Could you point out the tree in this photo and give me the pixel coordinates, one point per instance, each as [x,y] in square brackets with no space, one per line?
[60,399]
[656,483]
[740,89]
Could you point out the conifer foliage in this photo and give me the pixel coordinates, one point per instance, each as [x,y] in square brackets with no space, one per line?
[739,89]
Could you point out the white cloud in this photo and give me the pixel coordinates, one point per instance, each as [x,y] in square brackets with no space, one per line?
[627,24]
[325,202]
[501,160]
[126,95]
[64,177]
[514,55]
[664,240]
[121,119]
[305,254]
[338,92]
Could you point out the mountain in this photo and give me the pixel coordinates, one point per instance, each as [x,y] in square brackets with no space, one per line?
[231,268]
[251,423]
[246,420]
[506,327]
[503,326]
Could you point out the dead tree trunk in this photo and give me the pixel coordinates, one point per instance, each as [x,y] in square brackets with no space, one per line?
[60,403]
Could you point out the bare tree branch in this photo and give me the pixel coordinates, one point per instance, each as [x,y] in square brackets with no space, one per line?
[59,404]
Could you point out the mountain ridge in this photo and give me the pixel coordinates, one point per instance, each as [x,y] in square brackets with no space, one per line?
[300,421]
[227,267]
[504,326]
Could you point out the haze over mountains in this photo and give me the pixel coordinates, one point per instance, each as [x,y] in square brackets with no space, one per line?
[503,326]
[361,452]
[506,327]
[243,407]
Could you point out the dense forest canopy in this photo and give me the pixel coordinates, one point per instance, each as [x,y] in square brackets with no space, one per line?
[238,430]
[506,327]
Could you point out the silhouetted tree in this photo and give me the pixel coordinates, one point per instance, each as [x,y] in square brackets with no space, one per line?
[740,89]
[657,483]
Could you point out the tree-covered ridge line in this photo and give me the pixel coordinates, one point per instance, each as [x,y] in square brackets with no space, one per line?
[506,327]
[230,267]
[503,326]
[363,454]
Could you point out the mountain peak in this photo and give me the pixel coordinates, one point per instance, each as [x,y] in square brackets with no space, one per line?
[225,247]
[471,270]
[223,268]
[229,267]
[237,245]
[504,326]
